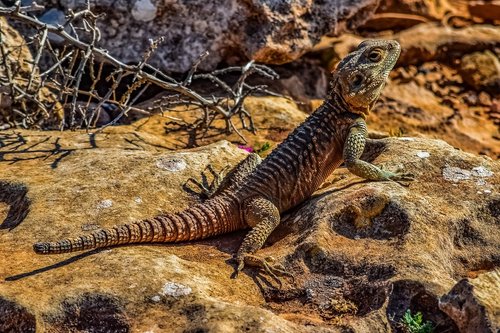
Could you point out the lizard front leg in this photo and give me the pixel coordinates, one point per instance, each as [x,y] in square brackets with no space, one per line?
[263,216]
[353,148]
[232,180]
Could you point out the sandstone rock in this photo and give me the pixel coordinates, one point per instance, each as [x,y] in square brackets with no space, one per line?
[362,252]
[473,303]
[397,15]
[430,9]
[489,10]
[481,70]
[424,42]
[428,42]
[272,32]
[273,117]
[409,109]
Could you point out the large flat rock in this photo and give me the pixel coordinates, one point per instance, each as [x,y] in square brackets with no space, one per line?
[362,252]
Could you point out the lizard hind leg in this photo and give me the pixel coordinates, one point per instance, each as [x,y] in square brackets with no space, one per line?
[263,216]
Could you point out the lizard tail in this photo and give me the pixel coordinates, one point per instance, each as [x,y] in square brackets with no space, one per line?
[200,221]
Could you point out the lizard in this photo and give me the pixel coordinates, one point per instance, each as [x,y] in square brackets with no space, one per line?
[256,192]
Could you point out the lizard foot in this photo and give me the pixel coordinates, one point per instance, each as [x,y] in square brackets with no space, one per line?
[208,190]
[398,176]
[267,264]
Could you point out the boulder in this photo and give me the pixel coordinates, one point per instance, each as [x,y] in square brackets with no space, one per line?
[362,252]
[473,303]
[488,10]
[272,32]
[481,70]
[273,118]
[423,42]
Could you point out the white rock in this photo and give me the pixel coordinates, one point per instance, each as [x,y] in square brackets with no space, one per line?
[481,171]
[175,289]
[423,154]
[108,203]
[455,174]
[171,164]
[144,10]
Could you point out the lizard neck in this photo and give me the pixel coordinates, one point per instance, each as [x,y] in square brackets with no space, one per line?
[337,102]
[298,166]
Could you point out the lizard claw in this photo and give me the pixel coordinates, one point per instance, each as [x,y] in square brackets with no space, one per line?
[239,268]
[208,190]
[403,177]
[398,176]
[267,264]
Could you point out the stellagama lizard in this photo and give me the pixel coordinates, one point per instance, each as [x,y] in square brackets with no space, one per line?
[255,192]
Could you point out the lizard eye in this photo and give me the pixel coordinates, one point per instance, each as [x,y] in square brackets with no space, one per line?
[375,55]
[357,80]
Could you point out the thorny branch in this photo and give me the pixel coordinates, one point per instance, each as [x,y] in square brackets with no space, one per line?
[75,106]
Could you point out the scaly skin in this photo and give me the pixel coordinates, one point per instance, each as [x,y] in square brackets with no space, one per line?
[255,193]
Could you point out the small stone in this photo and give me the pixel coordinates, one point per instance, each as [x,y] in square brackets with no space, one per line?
[171,164]
[175,289]
[487,191]
[481,70]
[138,200]
[485,99]
[108,203]
[455,174]
[156,299]
[56,18]
[144,11]
[423,154]
[481,171]
[480,182]
[471,98]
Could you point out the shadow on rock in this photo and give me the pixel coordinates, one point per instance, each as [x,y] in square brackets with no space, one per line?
[15,318]
[412,295]
[15,196]
[91,313]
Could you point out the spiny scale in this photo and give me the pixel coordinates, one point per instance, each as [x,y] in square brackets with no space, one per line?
[211,218]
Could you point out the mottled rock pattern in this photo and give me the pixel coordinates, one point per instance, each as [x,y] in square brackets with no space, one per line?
[273,117]
[486,9]
[272,32]
[362,252]
[473,303]
[425,42]
[481,70]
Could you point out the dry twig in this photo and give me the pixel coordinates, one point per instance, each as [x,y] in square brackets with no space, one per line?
[82,59]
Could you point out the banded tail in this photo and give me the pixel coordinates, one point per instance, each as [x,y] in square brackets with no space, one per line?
[214,217]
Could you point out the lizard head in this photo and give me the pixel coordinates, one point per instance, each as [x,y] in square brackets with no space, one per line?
[361,75]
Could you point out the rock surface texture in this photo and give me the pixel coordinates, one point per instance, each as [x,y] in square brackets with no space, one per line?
[362,252]
[272,32]
[473,303]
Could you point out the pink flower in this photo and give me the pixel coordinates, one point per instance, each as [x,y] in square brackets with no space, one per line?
[248,149]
